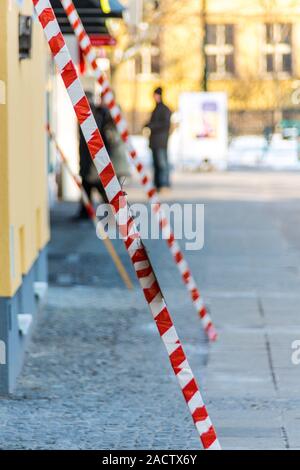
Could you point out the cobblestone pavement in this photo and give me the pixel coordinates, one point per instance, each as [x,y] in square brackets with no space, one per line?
[97,376]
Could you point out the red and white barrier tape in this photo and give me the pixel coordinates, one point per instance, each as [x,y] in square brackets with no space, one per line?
[92,213]
[133,242]
[109,100]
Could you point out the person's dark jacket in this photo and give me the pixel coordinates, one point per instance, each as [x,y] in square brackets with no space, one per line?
[159,125]
[87,168]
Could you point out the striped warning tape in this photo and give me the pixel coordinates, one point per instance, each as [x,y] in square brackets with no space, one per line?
[92,213]
[133,242]
[109,100]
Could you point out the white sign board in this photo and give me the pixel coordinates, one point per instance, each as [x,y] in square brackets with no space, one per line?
[203,129]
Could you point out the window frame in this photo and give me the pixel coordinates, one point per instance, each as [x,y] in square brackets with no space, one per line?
[277,51]
[145,56]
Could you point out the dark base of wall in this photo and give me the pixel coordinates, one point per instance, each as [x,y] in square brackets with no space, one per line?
[15,333]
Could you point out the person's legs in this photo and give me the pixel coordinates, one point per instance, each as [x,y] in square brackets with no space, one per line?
[166,168]
[163,167]
[88,189]
[156,168]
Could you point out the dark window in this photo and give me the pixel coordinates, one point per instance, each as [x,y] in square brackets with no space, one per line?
[269,33]
[212,64]
[270,63]
[155,63]
[220,49]
[285,33]
[278,48]
[229,63]
[211,34]
[287,63]
[229,34]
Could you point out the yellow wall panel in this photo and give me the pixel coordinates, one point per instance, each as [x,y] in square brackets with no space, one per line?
[4,224]
[25,230]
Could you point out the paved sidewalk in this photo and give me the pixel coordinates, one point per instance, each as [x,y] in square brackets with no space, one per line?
[97,376]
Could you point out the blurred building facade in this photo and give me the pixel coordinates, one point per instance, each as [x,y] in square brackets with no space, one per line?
[24,232]
[248,49]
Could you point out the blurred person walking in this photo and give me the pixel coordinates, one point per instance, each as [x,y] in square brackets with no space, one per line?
[115,147]
[159,126]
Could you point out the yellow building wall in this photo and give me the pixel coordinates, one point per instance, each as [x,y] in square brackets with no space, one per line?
[23,196]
